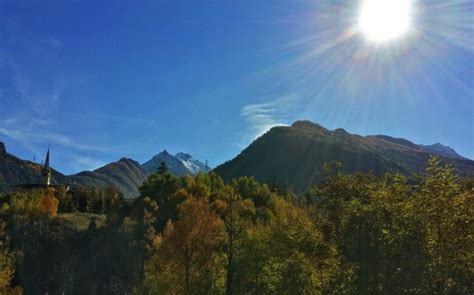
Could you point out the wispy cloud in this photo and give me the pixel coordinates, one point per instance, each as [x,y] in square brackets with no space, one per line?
[82,163]
[29,104]
[261,117]
[74,156]
[104,117]
[33,132]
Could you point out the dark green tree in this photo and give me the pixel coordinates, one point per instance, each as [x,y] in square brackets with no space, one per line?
[163,168]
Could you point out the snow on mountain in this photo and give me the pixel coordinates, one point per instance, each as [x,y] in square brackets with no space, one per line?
[193,165]
[179,164]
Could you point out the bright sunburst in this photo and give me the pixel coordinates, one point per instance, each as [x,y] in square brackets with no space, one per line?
[382,21]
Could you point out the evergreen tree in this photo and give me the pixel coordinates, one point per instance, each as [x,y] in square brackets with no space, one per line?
[163,168]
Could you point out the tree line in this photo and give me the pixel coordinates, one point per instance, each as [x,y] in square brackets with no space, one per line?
[350,234]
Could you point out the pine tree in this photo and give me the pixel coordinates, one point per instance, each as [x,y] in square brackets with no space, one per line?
[163,168]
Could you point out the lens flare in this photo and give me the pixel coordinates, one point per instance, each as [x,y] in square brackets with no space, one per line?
[382,21]
[354,60]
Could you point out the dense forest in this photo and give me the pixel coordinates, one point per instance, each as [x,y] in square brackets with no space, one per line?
[353,233]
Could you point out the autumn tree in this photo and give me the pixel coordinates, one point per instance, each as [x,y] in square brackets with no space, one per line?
[187,259]
[260,194]
[305,262]
[6,261]
[48,204]
[237,215]
[447,216]
[7,264]
[23,204]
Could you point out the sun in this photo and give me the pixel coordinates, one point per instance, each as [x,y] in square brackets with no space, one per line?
[382,21]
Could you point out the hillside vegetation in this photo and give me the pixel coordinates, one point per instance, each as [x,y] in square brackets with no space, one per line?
[293,156]
[350,234]
[126,175]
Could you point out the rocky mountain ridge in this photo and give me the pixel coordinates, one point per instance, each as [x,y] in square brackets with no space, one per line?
[294,155]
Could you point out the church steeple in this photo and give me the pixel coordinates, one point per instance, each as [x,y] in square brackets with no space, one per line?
[46,162]
[46,171]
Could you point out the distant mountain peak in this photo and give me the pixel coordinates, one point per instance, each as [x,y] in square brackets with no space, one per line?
[3,150]
[305,124]
[179,164]
[125,160]
[442,150]
[439,145]
[340,131]
[163,153]
[161,156]
[183,156]
[125,174]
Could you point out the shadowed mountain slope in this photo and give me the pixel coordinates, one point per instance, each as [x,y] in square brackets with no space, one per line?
[126,175]
[15,171]
[295,155]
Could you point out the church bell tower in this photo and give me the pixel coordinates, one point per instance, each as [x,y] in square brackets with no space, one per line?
[46,171]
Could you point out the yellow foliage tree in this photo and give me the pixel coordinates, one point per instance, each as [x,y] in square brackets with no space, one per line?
[6,264]
[187,257]
[48,205]
[6,269]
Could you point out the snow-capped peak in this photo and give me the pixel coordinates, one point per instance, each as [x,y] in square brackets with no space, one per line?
[179,164]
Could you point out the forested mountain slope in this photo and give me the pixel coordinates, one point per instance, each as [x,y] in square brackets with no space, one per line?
[294,155]
[15,171]
[126,175]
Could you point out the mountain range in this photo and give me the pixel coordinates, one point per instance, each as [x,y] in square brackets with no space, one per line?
[294,155]
[126,174]
[287,155]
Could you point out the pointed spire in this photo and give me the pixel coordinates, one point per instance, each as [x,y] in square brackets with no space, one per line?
[46,162]
[46,171]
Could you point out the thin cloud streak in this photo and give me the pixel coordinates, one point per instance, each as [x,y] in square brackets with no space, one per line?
[101,117]
[35,136]
[84,163]
[261,117]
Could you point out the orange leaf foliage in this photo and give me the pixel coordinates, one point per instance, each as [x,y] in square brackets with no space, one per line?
[48,204]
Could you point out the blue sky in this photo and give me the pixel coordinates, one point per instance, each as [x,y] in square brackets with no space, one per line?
[101,80]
